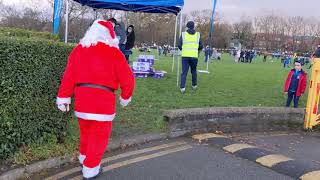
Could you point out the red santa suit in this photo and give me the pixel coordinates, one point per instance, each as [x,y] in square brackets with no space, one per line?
[95,68]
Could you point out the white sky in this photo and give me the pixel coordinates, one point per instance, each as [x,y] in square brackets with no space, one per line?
[28,3]
[231,10]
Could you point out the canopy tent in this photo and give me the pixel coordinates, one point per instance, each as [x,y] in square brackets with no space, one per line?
[147,6]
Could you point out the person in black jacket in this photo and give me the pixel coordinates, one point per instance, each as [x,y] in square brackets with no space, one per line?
[317,52]
[130,41]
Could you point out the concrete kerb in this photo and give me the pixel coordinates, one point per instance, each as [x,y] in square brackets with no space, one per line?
[59,161]
[233,119]
[189,121]
[277,162]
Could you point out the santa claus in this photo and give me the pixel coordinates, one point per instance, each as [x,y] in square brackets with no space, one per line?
[96,68]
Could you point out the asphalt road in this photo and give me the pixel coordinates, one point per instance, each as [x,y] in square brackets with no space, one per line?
[303,146]
[178,159]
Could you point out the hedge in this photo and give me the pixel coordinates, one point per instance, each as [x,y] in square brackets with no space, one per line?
[30,75]
[16,32]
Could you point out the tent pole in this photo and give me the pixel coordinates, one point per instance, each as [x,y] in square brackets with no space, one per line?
[208,63]
[175,42]
[210,35]
[178,62]
[67,22]
[95,14]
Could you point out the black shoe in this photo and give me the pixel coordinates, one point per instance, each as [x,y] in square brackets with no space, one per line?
[100,172]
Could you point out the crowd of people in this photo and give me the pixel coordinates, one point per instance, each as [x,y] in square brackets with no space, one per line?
[212,53]
[165,50]
[287,59]
[244,56]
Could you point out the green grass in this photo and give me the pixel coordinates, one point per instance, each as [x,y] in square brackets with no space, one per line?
[227,85]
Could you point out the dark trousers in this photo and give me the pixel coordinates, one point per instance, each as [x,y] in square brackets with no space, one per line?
[207,57]
[292,95]
[127,53]
[122,48]
[186,63]
[127,58]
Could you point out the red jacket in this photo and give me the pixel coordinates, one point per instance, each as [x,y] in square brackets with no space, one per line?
[302,82]
[101,65]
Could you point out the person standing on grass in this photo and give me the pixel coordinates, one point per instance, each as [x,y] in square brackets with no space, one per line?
[295,84]
[265,57]
[208,53]
[219,55]
[247,55]
[237,56]
[130,42]
[190,44]
[242,53]
[120,33]
[287,61]
[95,69]
[159,50]
[316,54]
[251,56]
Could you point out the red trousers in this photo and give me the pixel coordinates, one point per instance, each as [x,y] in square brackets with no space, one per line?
[94,138]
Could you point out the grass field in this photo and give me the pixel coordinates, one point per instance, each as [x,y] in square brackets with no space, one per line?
[227,85]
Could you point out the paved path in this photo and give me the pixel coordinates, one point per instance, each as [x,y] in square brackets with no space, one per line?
[177,159]
[302,146]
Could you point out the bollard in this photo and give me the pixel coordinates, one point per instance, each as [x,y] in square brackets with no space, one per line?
[312,117]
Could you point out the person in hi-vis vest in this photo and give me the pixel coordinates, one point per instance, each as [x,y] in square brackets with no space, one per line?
[190,44]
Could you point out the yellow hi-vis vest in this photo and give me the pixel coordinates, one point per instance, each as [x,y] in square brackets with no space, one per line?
[190,44]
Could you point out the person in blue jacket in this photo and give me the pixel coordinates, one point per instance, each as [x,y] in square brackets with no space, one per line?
[286,62]
[208,54]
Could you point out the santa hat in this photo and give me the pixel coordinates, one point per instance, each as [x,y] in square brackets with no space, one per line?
[100,31]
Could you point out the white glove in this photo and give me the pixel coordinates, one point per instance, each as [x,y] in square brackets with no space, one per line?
[64,107]
[124,103]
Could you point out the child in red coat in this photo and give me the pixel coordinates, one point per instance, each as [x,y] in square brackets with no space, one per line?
[96,68]
[295,84]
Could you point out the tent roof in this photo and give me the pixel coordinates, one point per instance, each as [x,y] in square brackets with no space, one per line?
[148,6]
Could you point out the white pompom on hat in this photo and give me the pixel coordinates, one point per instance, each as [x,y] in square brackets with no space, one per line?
[100,31]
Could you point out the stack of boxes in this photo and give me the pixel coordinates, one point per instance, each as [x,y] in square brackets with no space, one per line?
[144,68]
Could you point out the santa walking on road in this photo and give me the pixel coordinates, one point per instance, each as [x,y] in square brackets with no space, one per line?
[96,68]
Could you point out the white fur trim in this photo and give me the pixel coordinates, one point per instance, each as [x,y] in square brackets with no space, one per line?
[98,33]
[63,100]
[81,158]
[125,102]
[95,117]
[90,172]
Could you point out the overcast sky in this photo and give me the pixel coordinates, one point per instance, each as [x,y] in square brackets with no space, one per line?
[233,10]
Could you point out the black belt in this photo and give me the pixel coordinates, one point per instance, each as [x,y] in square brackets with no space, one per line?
[95,86]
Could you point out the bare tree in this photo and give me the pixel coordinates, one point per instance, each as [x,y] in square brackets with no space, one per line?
[270,31]
[243,31]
